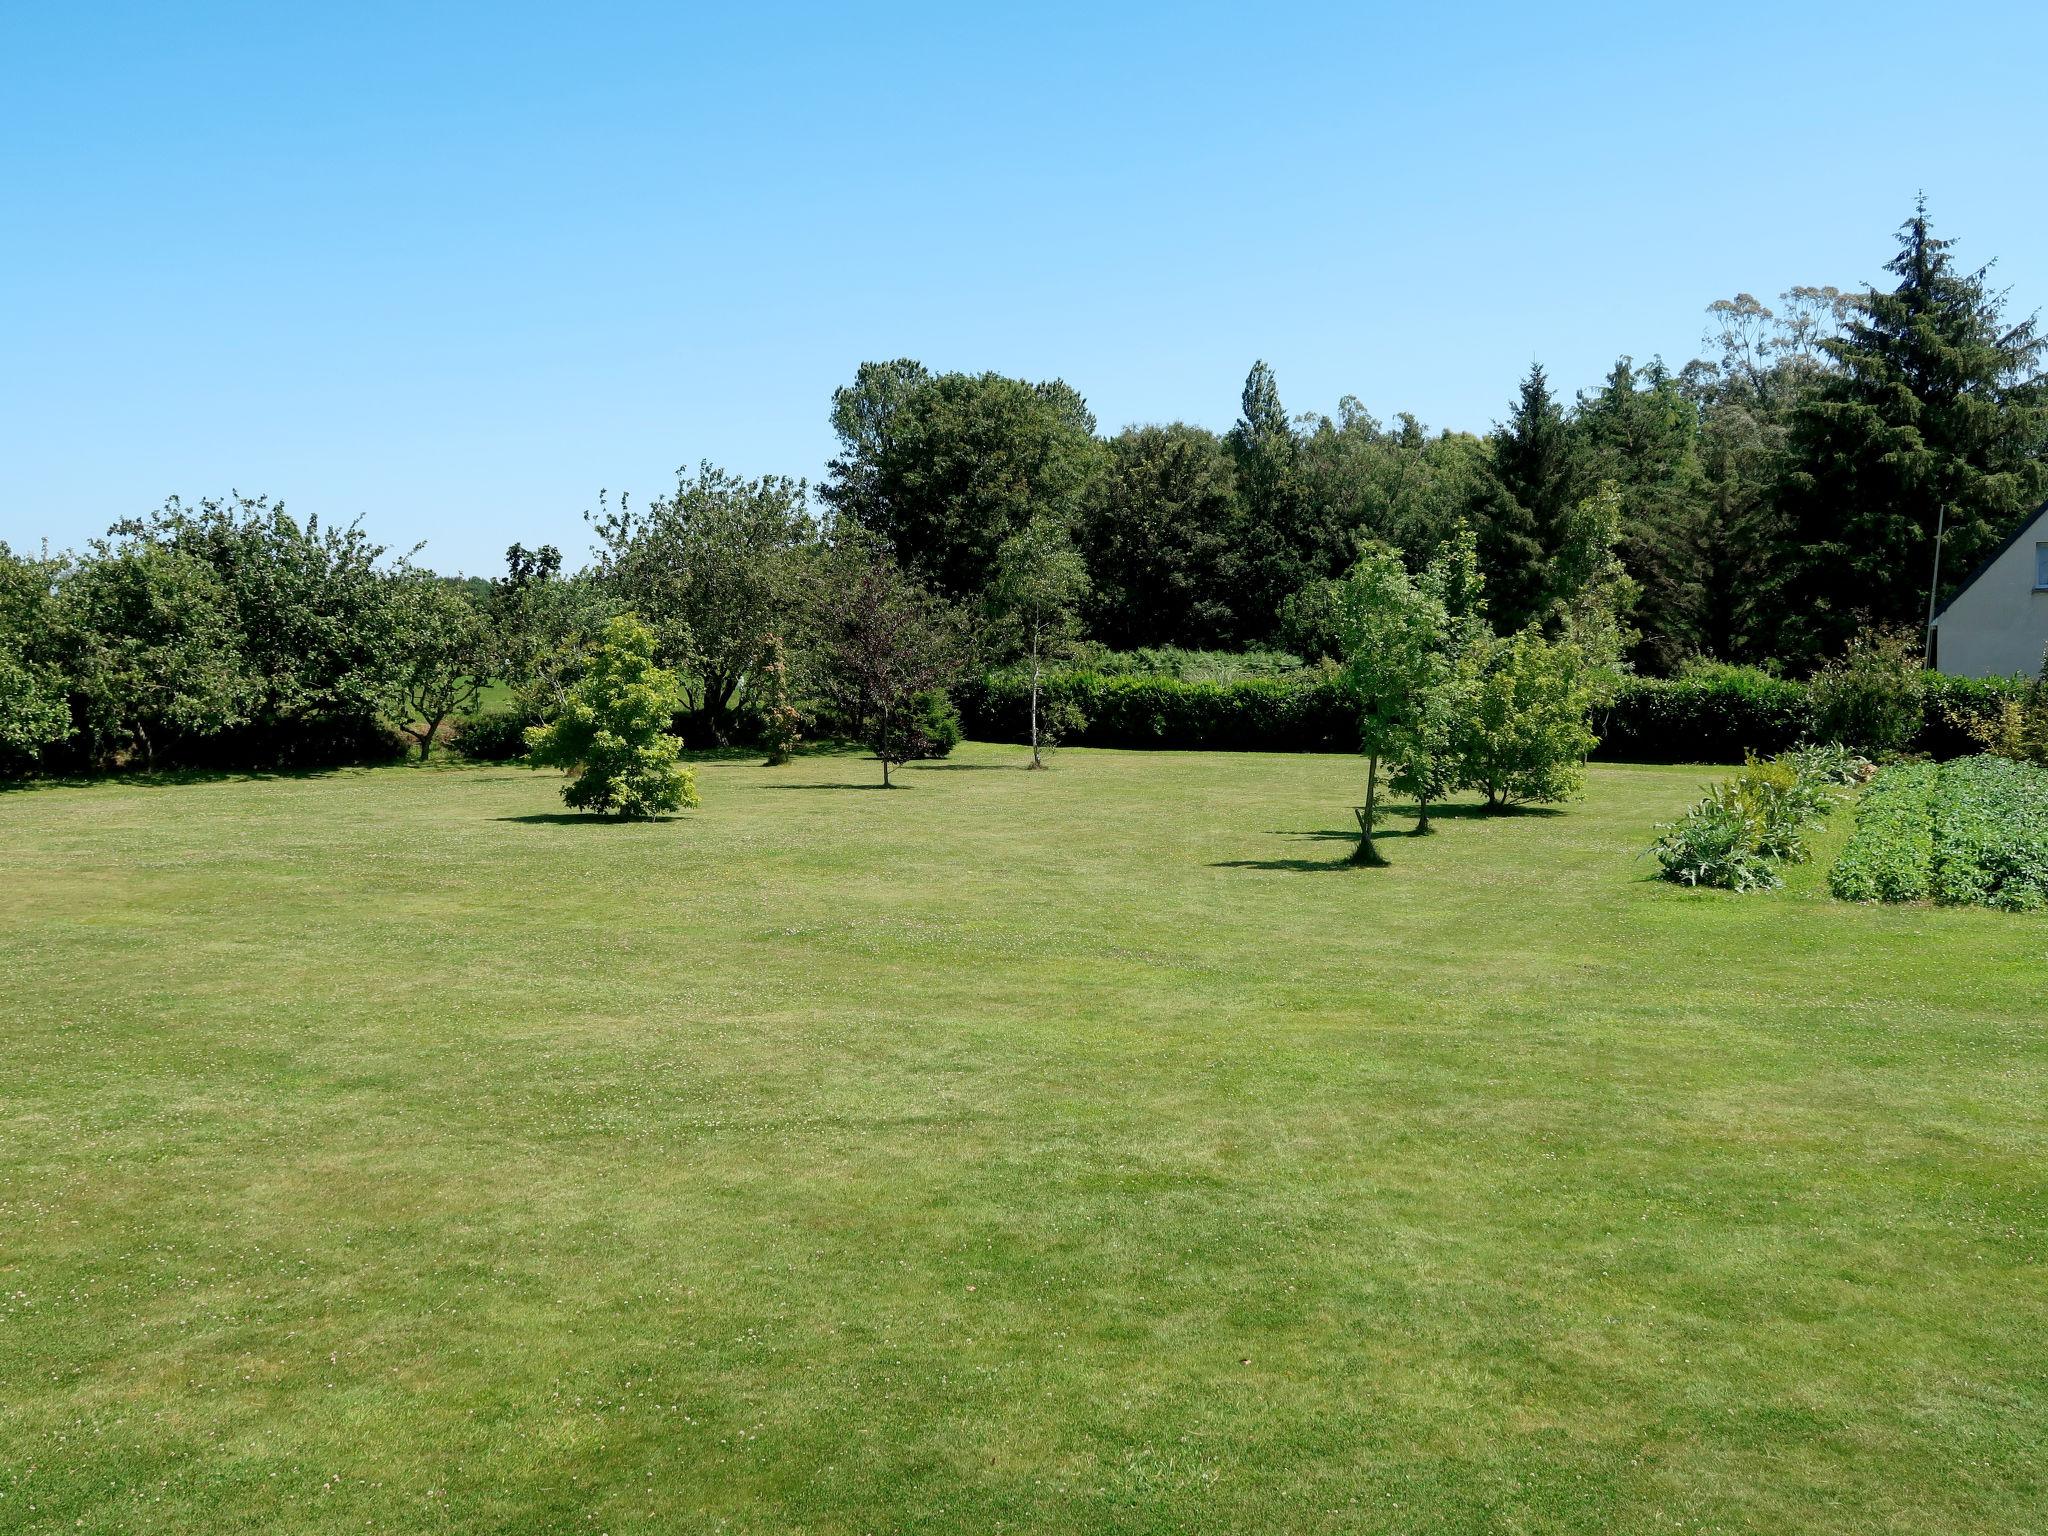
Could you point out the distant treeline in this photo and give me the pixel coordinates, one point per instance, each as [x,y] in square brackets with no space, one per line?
[1767,499]
[1760,505]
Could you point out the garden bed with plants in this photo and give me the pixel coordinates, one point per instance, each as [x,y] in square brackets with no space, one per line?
[1745,829]
[1969,832]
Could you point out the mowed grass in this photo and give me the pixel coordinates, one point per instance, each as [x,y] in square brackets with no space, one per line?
[1079,1151]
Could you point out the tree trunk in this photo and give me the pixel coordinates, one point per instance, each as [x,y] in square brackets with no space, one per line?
[1036,762]
[427,736]
[1365,852]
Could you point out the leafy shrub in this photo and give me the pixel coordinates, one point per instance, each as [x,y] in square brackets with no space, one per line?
[494,736]
[1989,832]
[1521,732]
[2013,725]
[1716,844]
[613,735]
[1717,715]
[1875,696]
[1831,764]
[1890,855]
[1187,666]
[1307,713]
[33,711]
[934,728]
[1736,837]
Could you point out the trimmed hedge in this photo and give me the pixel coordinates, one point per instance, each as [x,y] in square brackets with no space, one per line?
[1721,718]
[1697,720]
[1250,715]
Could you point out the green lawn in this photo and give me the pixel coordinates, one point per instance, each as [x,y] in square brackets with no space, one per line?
[1067,1152]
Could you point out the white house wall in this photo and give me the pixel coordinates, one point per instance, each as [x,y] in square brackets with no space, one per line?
[1999,623]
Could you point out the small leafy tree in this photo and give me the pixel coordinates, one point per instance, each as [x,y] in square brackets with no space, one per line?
[613,733]
[887,640]
[1392,632]
[935,728]
[1522,734]
[442,655]
[1431,769]
[1034,604]
[781,721]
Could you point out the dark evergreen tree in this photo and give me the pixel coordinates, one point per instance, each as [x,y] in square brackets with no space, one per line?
[1273,555]
[1641,435]
[1524,513]
[1933,422]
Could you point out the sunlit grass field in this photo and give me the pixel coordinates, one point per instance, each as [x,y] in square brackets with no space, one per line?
[1078,1151]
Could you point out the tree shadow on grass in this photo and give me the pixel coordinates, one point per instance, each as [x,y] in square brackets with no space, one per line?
[1298,866]
[584,819]
[179,778]
[1467,812]
[1350,836]
[878,784]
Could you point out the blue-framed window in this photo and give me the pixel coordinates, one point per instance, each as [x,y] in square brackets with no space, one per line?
[2041,567]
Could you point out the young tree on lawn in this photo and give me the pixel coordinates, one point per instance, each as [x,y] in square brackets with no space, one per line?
[1431,770]
[781,722]
[613,734]
[1392,633]
[888,643]
[1034,603]
[1522,732]
[443,655]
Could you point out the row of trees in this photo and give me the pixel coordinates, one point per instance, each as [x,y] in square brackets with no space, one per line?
[1448,703]
[1768,499]
[1757,505]
[231,634]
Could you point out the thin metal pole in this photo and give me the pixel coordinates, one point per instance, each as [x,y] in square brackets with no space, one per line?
[1934,583]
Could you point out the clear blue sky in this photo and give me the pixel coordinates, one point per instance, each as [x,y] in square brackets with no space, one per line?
[454,268]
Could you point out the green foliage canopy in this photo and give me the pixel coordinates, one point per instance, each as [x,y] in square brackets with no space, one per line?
[613,737]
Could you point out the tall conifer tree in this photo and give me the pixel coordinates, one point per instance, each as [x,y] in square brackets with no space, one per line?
[1935,421]
[1538,478]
